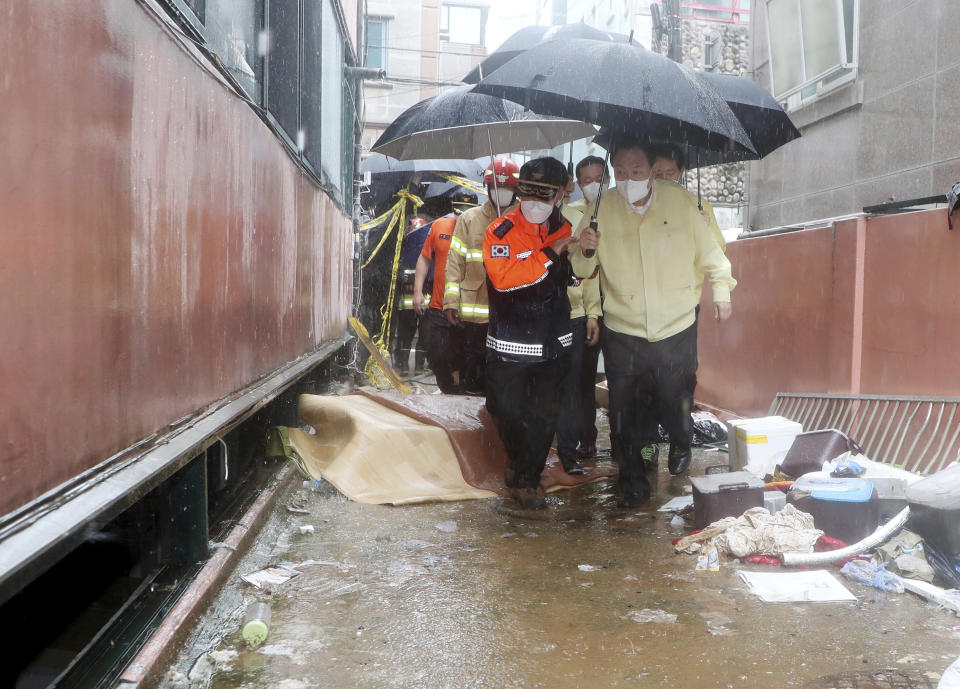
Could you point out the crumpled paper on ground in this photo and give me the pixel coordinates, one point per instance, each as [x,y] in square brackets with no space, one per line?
[757,532]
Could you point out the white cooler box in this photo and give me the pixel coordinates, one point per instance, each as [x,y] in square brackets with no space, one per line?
[758,445]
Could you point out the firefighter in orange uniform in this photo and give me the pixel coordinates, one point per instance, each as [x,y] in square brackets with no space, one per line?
[444,342]
[529,332]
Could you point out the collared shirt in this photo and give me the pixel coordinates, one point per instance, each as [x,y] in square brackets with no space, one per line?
[648,264]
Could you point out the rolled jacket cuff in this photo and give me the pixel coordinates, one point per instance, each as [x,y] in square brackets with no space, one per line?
[721,293]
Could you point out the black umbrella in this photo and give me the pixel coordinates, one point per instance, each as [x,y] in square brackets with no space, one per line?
[458,123]
[622,85]
[761,116]
[378,163]
[529,36]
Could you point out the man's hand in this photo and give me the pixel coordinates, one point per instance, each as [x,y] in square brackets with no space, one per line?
[561,244]
[418,304]
[593,331]
[453,316]
[722,310]
[589,239]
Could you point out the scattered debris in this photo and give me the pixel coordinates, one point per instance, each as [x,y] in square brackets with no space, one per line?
[256,624]
[872,575]
[306,529]
[678,522]
[448,526]
[708,560]
[216,545]
[586,568]
[279,574]
[676,504]
[656,616]
[202,670]
[787,587]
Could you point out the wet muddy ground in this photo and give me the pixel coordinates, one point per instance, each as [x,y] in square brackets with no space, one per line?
[475,594]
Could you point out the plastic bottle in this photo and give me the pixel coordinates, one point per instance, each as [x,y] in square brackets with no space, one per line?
[316,485]
[256,624]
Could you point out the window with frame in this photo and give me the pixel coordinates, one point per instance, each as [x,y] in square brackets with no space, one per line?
[235,31]
[731,11]
[283,66]
[376,55]
[813,46]
[462,24]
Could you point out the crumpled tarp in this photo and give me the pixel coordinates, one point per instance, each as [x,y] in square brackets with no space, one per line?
[392,448]
[757,532]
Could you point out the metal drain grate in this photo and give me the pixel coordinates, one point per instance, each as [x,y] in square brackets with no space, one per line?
[919,434]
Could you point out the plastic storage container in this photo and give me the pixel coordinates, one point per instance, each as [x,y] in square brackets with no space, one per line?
[935,509]
[774,500]
[845,508]
[256,624]
[759,445]
[720,495]
[891,495]
[810,450]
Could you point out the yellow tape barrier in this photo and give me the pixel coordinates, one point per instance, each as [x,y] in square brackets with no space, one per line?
[397,216]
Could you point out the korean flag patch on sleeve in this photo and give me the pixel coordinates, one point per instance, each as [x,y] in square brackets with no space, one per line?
[499,251]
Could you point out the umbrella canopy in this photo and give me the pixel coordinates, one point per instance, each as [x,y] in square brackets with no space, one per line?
[529,36]
[378,163]
[761,117]
[461,124]
[620,85]
[447,188]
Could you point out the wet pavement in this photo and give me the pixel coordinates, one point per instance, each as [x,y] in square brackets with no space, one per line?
[475,594]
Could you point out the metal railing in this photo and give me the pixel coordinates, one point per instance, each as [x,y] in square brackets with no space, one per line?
[919,434]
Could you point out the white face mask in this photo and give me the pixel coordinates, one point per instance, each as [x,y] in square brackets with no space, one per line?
[633,189]
[591,191]
[536,212]
[502,197]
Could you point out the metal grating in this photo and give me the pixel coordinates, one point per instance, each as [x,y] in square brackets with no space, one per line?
[919,434]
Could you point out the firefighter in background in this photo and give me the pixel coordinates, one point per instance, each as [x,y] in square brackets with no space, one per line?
[408,320]
[465,302]
[444,342]
[529,334]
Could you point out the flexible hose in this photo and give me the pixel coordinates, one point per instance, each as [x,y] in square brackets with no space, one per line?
[872,541]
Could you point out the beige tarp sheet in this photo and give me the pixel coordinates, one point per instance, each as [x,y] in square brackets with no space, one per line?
[391,448]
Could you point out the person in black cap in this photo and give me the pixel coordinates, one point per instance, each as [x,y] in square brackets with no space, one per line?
[529,334]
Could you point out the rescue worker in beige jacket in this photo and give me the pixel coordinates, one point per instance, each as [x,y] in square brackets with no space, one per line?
[465,302]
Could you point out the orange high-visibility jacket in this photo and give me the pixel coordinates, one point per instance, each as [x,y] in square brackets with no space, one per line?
[529,308]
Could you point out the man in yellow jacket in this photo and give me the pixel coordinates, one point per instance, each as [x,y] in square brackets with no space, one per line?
[465,302]
[577,427]
[651,244]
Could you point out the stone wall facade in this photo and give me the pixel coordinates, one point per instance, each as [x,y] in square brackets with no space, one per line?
[724,185]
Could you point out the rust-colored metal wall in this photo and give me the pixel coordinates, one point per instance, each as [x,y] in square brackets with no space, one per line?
[158,249]
[865,306]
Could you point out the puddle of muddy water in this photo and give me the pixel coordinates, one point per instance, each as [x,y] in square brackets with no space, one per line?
[584,595]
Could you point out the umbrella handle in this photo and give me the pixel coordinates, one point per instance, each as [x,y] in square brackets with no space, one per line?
[593,226]
[588,253]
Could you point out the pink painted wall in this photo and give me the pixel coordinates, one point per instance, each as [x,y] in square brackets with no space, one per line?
[796,307]
[158,248]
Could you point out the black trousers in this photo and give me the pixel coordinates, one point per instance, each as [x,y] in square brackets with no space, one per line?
[408,322]
[445,351]
[524,400]
[650,383]
[570,420]
[473,378]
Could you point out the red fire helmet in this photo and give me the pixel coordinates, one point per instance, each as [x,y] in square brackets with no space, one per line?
[507,172]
